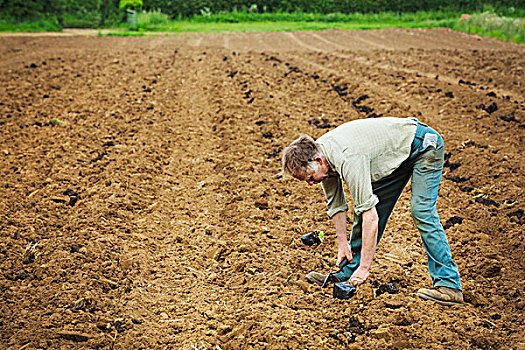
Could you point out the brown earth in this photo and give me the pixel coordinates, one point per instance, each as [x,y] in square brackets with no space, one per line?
[158,220]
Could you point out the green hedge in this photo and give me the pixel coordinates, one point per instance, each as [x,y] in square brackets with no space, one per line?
[98,13]
[189,8]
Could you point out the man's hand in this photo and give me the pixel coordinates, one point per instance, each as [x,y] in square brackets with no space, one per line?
[359,276]
[343,251]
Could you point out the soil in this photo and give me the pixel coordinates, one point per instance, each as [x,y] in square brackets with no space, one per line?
[142,206]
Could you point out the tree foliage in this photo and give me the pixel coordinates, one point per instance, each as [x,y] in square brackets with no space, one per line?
[130,4]
[188,8]
[106,12]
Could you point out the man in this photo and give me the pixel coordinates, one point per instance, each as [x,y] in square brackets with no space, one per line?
[376,158]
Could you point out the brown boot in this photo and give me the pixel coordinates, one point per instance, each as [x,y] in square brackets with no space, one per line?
[442,295]
[316,278]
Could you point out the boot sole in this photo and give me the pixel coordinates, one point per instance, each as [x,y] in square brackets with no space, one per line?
[441,302]
[314,280]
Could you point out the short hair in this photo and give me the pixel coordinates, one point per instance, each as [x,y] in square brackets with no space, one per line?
[297,158]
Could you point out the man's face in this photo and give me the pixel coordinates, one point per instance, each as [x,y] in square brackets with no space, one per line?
[317,174]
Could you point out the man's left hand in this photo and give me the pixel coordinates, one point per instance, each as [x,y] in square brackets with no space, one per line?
[359,276]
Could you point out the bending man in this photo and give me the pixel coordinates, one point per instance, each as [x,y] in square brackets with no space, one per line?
[376,158]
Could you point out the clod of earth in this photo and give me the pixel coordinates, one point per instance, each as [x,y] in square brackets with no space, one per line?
[272,58]
[487,202]
[72,201]
[99,157]
[451,166]
[293,70]
[393,303]
[317,123]
[493,107]
[274,154]
[74,336]
[457,179]
[341,90]
[119,327]
[452,221]
[508,118]
[355,327]
[360,108]
[491,269]
[261,205]
[466,82]
[389,288]
[403,78]
[361,99]
[517,213]
[447,164]
[70,193]
[516,216]
[21,276]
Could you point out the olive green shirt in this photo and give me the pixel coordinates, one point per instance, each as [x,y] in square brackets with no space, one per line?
[361,152]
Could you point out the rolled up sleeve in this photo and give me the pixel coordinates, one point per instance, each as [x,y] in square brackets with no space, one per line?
[356,173]
[335,195]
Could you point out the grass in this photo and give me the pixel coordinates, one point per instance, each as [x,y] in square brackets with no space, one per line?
[272,22]
[37,25]
[508,27]
[123,33]
[490,24]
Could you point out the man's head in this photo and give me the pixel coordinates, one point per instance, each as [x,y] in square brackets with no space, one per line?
[305,160]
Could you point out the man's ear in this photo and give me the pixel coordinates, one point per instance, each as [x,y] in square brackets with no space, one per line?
[318,159]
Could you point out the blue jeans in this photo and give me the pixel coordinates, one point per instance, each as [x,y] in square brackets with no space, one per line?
[424,165]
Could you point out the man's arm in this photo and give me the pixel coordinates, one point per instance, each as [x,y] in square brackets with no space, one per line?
[343,248]
[368,248]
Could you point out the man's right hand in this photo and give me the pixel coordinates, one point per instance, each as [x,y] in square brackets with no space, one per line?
[343,251]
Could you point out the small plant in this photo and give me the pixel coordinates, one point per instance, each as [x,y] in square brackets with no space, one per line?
[56,121]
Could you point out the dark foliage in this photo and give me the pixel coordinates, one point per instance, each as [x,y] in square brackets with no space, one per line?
[96,13]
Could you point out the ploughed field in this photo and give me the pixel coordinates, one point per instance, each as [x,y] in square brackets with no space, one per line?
[155,217]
